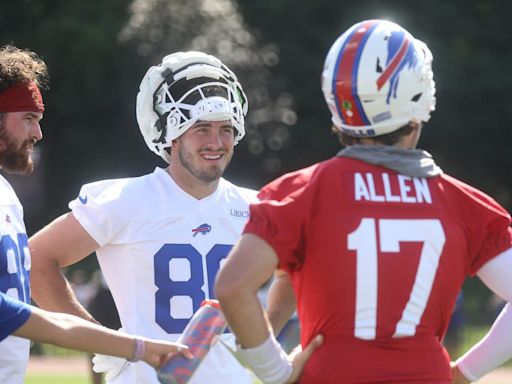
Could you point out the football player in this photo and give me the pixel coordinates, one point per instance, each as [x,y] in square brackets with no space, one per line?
[22,73]
[377,241]
[160,238]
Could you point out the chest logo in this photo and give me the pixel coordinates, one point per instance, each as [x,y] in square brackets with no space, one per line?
[203,229]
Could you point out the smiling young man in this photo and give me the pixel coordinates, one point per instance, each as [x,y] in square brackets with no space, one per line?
[160,238]
[22,72]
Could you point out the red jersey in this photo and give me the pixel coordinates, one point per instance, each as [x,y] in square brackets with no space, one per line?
[377,259]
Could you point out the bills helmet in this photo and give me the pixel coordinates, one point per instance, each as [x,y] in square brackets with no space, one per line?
[377,78]
[185,88]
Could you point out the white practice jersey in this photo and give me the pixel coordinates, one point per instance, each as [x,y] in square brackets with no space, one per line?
[14,280]
[160,252]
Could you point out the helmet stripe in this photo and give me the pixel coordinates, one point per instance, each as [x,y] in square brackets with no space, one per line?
[348,102]
[394,63]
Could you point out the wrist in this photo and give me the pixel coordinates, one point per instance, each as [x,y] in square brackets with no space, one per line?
[138,349]
[268,361]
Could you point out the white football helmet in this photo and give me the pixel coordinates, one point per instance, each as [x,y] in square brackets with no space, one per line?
[185,88]
[377,78]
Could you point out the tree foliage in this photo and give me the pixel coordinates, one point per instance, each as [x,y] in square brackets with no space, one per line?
[98,51]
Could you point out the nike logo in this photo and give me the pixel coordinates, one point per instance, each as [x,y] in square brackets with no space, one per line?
[83,200]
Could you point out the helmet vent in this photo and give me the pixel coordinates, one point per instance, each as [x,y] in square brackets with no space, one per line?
[416,97]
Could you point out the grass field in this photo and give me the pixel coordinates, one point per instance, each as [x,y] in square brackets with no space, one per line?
[66,367]
[48,378]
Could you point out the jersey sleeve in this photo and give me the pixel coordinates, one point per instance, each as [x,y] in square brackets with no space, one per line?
[279,217]
[492,234]
[96,209]
[487,223]
[13,314]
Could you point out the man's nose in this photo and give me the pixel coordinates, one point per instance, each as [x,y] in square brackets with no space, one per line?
[215,140]
[37,132]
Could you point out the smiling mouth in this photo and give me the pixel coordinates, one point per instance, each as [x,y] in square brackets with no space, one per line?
[211,157]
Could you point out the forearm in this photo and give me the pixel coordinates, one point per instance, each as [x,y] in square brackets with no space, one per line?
[51,291]
[244,313]
[492,351]
[75,333]
[496,347]
[281,301]
[62,243]
[237,287]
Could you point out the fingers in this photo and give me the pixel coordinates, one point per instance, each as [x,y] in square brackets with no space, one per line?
[184,350]
[457,376]
[313,345]
[300,360]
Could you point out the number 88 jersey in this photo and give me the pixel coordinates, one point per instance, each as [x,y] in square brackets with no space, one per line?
[160,248]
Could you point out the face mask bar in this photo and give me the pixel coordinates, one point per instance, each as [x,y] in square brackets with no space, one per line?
[179,108]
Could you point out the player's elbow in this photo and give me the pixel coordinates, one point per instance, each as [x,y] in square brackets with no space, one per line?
[228,288]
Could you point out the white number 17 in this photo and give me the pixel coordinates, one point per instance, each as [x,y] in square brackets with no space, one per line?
[390,233]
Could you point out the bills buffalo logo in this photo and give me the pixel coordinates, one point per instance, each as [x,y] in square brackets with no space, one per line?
[401,53]
[203,229]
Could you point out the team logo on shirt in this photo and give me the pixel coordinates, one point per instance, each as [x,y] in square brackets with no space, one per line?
[83,199]
[203,229]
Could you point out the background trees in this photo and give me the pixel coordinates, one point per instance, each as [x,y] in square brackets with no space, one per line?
[98,51]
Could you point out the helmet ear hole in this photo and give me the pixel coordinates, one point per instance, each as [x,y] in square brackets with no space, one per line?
[416,97]
[160,127]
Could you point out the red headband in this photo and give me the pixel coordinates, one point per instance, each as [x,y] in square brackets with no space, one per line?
[20,98]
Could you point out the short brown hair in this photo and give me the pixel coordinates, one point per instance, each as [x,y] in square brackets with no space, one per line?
[388,139]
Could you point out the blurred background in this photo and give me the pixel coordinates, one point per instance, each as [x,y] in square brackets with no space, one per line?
[97,52]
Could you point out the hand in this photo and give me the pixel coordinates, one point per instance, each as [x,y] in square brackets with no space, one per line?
[457,376]
[111,365]
[156,353]
[300,358]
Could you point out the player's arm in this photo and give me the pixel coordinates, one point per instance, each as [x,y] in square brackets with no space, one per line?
[249,265]
[61,243]
[281,301]
[496,346]
[73,332]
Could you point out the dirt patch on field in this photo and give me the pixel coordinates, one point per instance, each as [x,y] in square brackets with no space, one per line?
[58,365]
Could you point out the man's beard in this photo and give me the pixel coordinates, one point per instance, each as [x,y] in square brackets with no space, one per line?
[16,159]
[206,175]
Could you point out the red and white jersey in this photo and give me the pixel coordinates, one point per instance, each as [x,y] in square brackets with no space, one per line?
[14,280]
[377,259]
[160,250]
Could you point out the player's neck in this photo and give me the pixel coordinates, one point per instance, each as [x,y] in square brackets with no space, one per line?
[191,184]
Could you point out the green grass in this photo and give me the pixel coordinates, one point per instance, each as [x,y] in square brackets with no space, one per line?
[56,379]
[470,335]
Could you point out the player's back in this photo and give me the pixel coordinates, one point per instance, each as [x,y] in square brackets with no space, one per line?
[386,254]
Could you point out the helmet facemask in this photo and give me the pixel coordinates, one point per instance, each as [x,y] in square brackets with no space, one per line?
[181,103]
[185,88]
